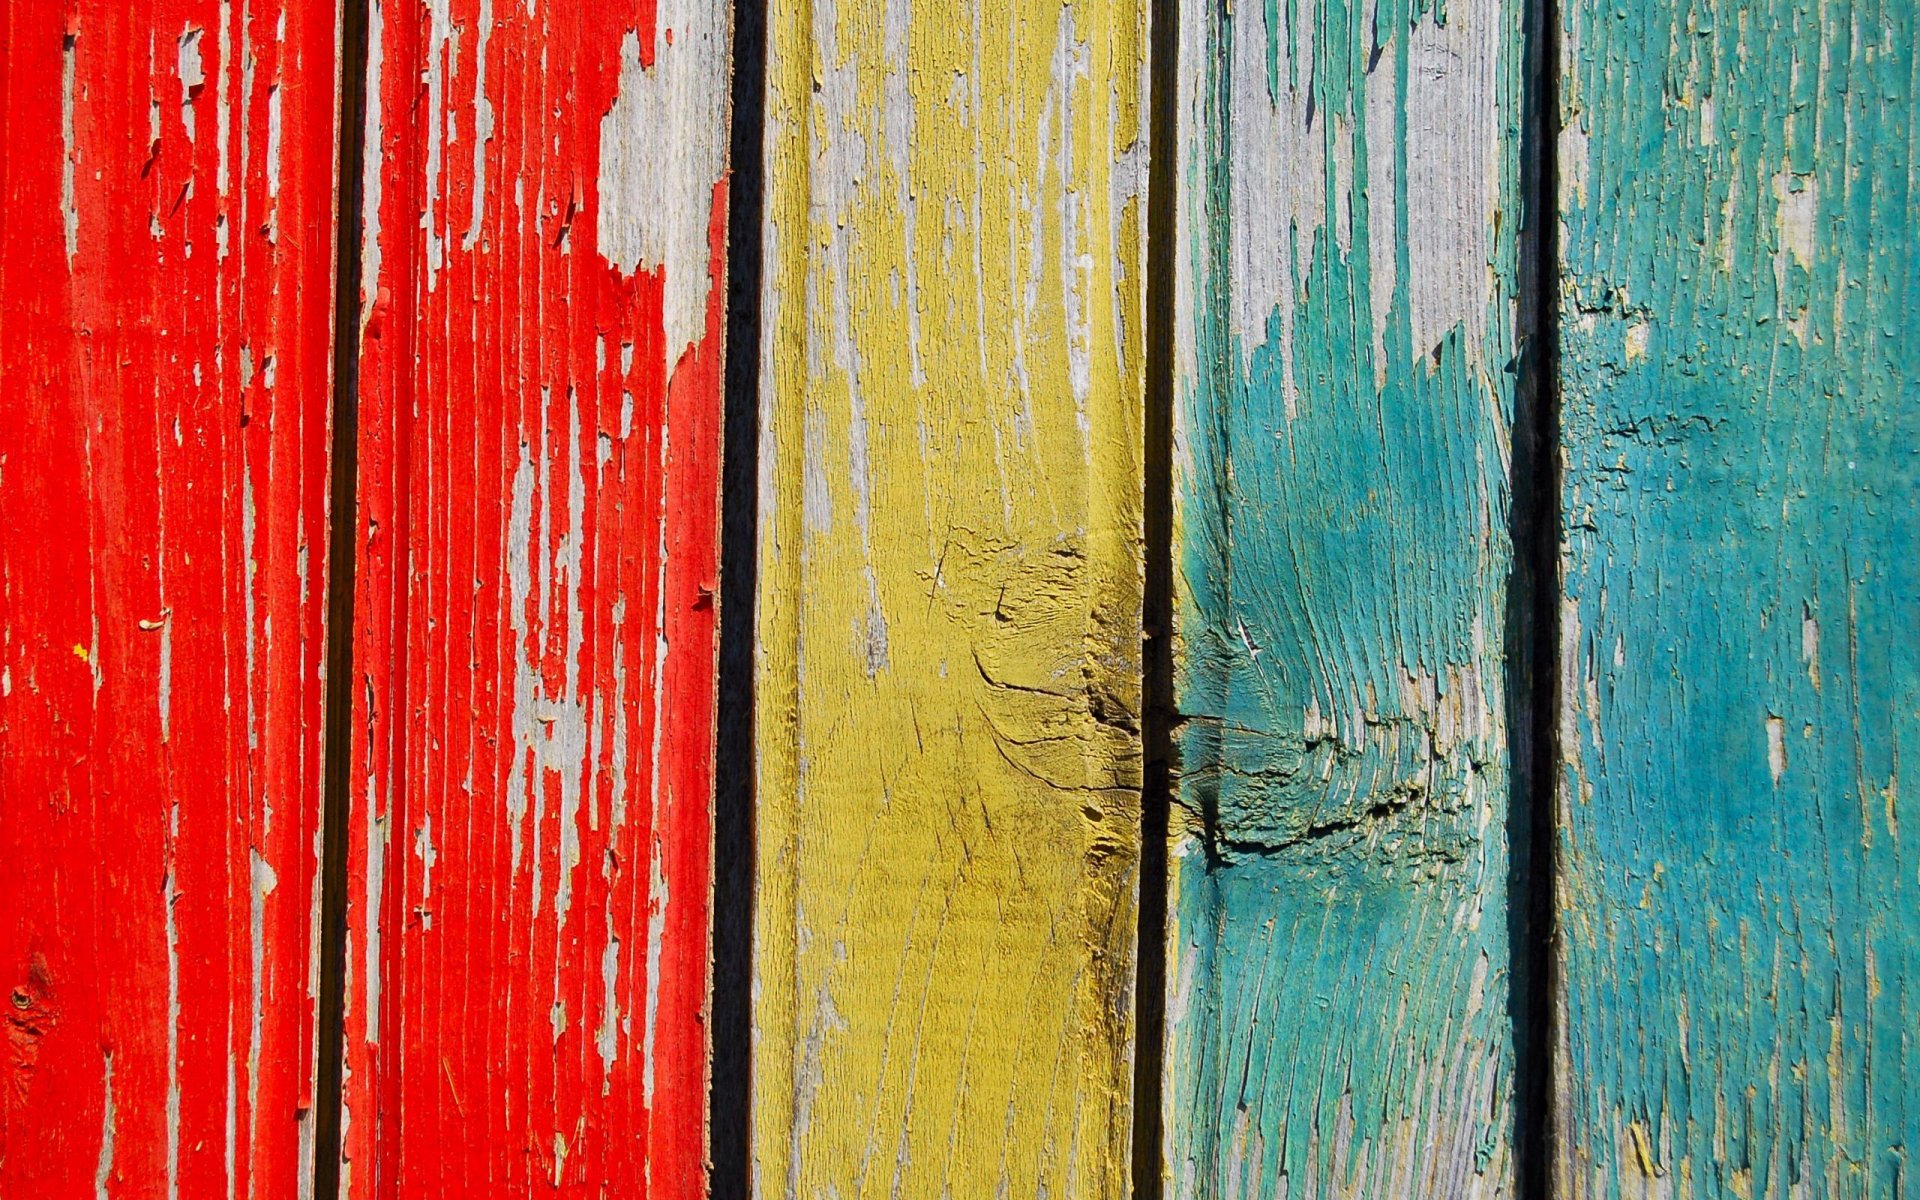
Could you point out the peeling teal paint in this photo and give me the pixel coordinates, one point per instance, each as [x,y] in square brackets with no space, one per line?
[1741,651]
[1338,963]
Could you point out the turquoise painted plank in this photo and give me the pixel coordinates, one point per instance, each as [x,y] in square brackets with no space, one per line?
[1337,946]
[1739,904]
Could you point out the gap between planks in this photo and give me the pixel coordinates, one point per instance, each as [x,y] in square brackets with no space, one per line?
[1156,659]
[730,1099]
[343,488]
[1533,657]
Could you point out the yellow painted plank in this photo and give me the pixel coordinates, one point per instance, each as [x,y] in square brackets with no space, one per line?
[949,599]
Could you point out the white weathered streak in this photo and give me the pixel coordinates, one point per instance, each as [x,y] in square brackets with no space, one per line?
[1073,62]
[223,111]
[1776,748]
[656,841]
[261,881]
[192,74]
[897,128]
[482,126]
[549,729]
[606,1041]
[376,889]
[1278,201]
[1796,199]
[439,133]
[306,1133]
[168,897]
[103,1169]
[837,165]
[1282,150]
[1380,124]
[246,59]
[577,754]
[663,146]
[231,1149]
[428,854]
[69,210]
[250,626]
[617,740]
[163,675]
[372,169]
[1454,135]
[656,946]
[273,140]
[1196,280]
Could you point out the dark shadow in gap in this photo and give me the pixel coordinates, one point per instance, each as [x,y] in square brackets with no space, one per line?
[343,512]
[1157,607]
[731,1098]
[1533,622]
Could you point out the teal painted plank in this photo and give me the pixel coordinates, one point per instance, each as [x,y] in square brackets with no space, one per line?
[1739,906]
[1337,945]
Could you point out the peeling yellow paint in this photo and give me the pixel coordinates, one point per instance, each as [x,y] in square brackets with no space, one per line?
[1642,1150]
[950,577]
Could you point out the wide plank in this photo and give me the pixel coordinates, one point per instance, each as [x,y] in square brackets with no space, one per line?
[1739,290]
[948,752]
[1338,974]
[166,310]
[538,503]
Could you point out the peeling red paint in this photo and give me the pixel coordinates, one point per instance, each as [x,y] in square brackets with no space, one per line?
[166,245]
[535,635]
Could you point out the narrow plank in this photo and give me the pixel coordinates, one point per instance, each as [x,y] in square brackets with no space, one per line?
[166,241]
[1741,683]
[539,500]
[1338,971]
[948,756]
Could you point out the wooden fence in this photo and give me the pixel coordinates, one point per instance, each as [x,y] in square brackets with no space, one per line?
[1269,598]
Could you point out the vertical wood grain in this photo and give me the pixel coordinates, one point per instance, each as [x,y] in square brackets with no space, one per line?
[1338,974]
[1741,703]
[539,467]
[166,239]
[950,588]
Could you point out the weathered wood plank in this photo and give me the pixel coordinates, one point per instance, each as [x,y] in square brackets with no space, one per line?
[538,509]
[166,241]
[1338,975]
[1741,681]
[950,592]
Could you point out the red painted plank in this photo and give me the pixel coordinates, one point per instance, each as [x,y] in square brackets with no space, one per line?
[535,621]
[166,242]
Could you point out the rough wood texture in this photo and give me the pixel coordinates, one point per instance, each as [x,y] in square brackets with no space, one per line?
[166,240]
[950,590]
[1337,948]
[1741,681]
[538,509]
